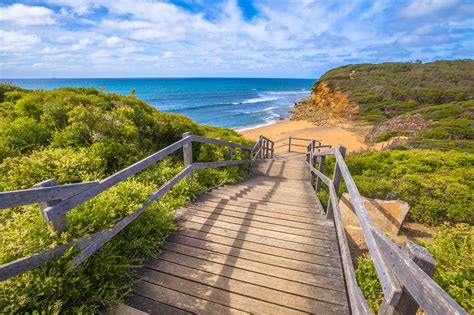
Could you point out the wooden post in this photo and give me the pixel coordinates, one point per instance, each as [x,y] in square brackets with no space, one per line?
[272,145]
[407,305]
[267,149]
[309,156]
[262,148]
[336,181]
[289,144]
[230,153]
[188,152]
[60,223]
[319,182]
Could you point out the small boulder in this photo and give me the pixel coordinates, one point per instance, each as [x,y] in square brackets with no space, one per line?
[388,215]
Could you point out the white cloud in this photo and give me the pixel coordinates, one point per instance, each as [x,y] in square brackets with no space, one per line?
[23,15]
[286,38]
[13,41]
[168,55]
[49,50]
[113,40]
[83,43]
[418,8]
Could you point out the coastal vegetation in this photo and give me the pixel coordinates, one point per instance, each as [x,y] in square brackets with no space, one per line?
[439,94]
[431,106]
[439,188]
[84,134]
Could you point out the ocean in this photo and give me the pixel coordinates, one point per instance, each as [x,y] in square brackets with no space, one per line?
[238,103]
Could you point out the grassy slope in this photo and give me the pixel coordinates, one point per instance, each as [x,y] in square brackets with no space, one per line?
[440,91]
[73,135]
[439,186]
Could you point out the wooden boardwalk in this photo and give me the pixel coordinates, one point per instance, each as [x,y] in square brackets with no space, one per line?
[258,246]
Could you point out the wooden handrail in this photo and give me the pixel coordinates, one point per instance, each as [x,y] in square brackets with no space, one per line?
[23,197]
[76,194]
[395,270]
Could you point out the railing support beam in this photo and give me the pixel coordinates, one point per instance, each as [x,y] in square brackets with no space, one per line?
[407,304]
[59,223]
[188,152]
[336,179]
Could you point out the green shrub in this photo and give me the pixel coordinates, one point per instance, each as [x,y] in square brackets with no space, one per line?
[437,185]
[369,283]
[453,250]
[81,134]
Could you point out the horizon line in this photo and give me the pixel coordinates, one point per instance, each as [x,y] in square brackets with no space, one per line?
[118,78]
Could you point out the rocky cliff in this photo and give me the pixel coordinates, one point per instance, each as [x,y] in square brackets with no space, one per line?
[325,105]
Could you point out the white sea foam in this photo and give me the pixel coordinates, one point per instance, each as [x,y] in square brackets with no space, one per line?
[261,110]
[257,126]
[259,100]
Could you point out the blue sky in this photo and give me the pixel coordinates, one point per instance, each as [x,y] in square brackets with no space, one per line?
[231,38]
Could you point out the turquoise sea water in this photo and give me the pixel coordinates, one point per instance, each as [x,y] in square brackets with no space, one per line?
[227,102]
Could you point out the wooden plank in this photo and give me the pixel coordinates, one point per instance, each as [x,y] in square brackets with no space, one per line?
[258,224]
[431,297]
[188,152]
[322,161]
[181,299]
[302,139]
[153,307]
[336,180]
[407,304]
[38,259]
[68,204]
[269,190]
[330,281]
[106,235]
[213,294]
[308,209]
[390,285]
[298,145]
[315,220]
[304,200]
[122,309]
[275,221]
[268,259]
[264,206]
[243,283]
[356,297]
[321,176]
[24,264]
[323,153]
[221,142]
[317,247]
[60,223]
[17,198]
[292,254]
[325,237]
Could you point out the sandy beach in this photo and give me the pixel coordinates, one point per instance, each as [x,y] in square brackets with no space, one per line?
[350,134]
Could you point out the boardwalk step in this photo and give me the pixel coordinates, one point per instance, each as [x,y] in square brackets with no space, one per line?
[260,246]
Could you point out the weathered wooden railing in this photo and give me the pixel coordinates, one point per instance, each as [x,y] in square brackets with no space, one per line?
[297,142]
[263,149]
[56,200]
[405,285]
